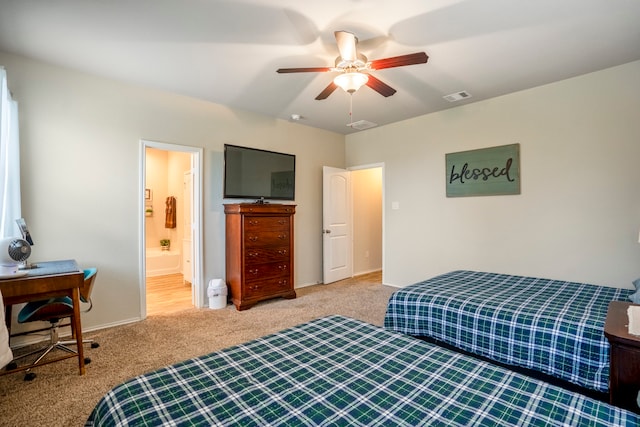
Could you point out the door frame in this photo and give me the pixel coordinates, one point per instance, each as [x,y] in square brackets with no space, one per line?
[196,256]
[351,169]
[189,224]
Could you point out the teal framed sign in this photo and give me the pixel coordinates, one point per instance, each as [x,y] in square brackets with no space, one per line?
[484,172]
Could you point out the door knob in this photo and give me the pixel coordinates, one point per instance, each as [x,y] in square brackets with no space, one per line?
[326,231]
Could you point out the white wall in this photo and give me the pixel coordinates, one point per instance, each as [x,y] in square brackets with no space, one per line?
[80,144]
[578,214]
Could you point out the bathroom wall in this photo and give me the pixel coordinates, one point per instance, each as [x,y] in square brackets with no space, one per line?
[164,178]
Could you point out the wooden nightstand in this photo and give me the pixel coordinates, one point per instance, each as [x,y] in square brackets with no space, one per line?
[624,376]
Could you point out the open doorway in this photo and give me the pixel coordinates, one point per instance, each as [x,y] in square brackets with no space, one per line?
[353,222]
[170,240]
[367,184]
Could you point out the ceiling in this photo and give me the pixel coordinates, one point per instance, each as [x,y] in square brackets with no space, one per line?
[227,52]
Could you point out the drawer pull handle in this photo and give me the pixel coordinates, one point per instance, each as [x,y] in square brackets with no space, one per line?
[282,236]
[282,252]
[253,238]
[282,267]
[253,271]
[253,222]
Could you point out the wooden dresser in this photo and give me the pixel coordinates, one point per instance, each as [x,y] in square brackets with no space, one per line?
[259,252]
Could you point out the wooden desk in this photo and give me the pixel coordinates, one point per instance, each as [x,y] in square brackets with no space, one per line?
[47,280]
[624,375]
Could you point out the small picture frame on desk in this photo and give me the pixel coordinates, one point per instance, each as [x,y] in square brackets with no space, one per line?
[22,225]
[148,196]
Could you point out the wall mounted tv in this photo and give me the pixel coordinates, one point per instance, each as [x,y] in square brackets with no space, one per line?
[250,173]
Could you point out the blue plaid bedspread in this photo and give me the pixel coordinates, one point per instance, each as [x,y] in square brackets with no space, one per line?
[336,371]
[551,326]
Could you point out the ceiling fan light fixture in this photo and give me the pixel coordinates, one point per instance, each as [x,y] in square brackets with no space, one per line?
[351,82]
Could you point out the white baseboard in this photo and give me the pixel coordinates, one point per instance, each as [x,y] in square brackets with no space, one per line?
[42,336]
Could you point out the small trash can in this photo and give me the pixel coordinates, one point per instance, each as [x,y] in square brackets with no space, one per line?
[217,293]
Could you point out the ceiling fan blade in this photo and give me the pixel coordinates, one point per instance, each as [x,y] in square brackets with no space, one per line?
[346,45]
[380,87]
[327,91]
[304,70]
[399,61]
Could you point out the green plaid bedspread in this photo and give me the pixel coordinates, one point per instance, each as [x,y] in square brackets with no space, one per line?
[336,371]
[551,326]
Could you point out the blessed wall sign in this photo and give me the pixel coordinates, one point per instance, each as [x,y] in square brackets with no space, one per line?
[484,172]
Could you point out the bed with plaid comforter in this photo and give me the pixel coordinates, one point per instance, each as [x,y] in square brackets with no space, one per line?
[550,326]
[337,371]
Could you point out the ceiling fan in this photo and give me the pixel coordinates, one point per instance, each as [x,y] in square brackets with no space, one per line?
[354,68]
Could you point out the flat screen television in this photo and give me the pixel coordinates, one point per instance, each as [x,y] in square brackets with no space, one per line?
[250,173]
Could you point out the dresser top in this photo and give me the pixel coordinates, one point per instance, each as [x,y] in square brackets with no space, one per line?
[259,208]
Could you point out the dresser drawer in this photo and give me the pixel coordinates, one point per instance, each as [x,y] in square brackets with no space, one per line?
[253,272]
[263,223]
[260,255]
[267,287]
[266,238]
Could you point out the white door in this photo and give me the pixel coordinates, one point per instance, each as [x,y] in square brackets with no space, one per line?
[187,238]
[336,225]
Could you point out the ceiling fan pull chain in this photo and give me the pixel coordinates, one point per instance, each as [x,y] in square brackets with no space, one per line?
[351,109]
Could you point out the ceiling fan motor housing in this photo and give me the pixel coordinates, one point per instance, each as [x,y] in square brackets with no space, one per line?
[360,63]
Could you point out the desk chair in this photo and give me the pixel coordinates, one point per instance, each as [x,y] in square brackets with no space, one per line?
[54,310]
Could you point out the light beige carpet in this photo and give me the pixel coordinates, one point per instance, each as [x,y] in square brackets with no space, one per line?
[58,396]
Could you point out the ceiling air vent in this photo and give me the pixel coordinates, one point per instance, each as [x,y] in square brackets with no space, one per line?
[362,125]
[453,97]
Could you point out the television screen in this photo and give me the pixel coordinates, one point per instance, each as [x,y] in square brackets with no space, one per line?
[250,173]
